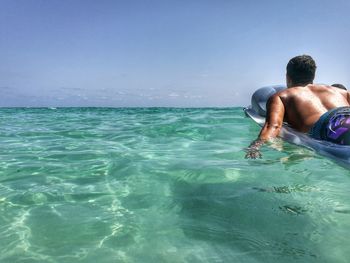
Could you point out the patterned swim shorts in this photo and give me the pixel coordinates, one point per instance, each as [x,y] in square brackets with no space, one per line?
[333,126]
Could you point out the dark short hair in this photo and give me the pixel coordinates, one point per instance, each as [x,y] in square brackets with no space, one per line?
[301,70]
[340,86]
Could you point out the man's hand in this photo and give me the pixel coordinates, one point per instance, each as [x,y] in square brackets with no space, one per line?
[253,152]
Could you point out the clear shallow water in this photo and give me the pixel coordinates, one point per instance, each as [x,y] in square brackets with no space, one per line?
[163,185]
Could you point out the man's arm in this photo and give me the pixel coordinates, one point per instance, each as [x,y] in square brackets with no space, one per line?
[273,124]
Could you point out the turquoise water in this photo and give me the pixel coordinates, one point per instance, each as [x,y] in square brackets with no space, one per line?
[163,185]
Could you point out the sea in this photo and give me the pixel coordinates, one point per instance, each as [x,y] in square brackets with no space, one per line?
[163,185]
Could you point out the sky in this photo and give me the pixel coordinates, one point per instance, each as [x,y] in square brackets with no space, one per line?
[163,53]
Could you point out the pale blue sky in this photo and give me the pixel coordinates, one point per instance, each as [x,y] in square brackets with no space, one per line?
[183,53]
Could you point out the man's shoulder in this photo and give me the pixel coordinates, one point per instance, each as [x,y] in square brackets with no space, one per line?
[319,86]
[301,90]
[287,92]
[322,88]
[290,94]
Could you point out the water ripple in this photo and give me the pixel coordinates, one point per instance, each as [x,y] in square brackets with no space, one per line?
[162,185]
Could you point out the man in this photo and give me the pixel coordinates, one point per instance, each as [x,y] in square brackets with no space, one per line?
[320,110]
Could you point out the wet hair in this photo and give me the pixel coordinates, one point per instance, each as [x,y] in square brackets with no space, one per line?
[301,70]
[340,86]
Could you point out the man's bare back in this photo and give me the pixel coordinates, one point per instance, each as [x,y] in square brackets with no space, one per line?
[304,105]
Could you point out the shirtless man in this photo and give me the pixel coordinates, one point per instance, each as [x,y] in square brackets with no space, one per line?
[314,109]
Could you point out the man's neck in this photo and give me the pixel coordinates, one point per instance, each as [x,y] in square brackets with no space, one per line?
[292,85]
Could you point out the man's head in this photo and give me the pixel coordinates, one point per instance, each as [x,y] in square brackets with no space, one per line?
[300,71]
